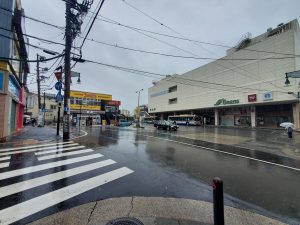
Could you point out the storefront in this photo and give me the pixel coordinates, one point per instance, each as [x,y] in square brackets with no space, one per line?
[273,115]
[14,98]
[236,116]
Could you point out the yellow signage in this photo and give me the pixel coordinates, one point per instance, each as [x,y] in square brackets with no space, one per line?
[4,66]
[85,107]
[80,94]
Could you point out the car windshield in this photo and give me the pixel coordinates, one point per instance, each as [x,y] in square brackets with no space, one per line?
[150,112]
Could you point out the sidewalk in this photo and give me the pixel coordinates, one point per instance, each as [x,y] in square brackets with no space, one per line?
[33,135]
[271,141]
[152,211]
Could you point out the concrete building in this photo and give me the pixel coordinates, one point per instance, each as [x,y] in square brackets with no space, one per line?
[125,112]
[244,88]
[13,67]
[99,107]
[51,107]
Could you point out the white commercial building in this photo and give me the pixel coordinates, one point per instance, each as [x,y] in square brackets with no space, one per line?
[244,88]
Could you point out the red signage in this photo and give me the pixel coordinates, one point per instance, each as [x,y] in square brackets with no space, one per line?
[252,98]
[114,103]
[58,75]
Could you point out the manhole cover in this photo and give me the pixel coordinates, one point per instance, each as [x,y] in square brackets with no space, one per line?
[125,221]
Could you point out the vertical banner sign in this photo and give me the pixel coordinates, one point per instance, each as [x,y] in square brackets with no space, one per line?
[66,123]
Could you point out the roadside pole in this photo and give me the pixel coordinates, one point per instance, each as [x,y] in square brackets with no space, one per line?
[38,80]
[58,119]
[68,34]
[44,109]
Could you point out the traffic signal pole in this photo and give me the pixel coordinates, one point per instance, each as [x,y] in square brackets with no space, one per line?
[68,35]
[38,80]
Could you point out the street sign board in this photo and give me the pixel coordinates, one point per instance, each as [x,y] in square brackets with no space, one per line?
[59,97]
[295,74]
[75,74]
[58,75]
[58,86]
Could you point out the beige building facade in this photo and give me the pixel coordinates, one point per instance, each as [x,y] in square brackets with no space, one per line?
[51,107]
[244,88]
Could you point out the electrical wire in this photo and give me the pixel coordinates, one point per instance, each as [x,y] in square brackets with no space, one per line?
[38,38]
[150,74]
[173,30]
[33,19]
[181,56]
[111,21]
[41,60]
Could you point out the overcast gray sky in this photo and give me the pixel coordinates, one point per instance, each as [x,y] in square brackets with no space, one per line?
[215,21]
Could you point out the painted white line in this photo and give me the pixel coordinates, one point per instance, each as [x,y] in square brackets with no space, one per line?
[27,208]
[5,158]
[228,153]
[58,150]
[36,149]
[65,154]
[35,146]
[85,133]
[45,166]
[3,165]
[28,184]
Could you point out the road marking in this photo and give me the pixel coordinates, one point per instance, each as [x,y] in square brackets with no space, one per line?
[65,154]
[3,165]
[32,169]
[5,158]
[228,153]
[84,134]
[35,146]
[37,149]
[28,184]
[58,150]
[27,208]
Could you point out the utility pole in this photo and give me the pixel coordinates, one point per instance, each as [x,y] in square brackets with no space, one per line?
[139,116]
[44,108]
[38,80]
[68,34]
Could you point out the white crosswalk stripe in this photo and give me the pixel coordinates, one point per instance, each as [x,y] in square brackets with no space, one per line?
[5,158]
[32,169]
[36,149]
[65,154]
[3,165]
[58,150]
[36,146]
[25,185]
[91,163]
[37,204]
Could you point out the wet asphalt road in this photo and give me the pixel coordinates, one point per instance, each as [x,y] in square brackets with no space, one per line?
[166,168]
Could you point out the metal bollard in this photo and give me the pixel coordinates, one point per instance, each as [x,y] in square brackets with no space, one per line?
[218,201]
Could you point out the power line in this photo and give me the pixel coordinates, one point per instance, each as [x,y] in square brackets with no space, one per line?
[41,60]
[38,38]
[33,19]
[92,23]
[152,74]
[111,21]
[181,56]
[173,30]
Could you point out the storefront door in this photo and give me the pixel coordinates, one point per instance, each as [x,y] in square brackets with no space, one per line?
[13,116]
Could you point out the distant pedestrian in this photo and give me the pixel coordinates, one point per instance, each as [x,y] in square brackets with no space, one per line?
[290,132]
[33,122]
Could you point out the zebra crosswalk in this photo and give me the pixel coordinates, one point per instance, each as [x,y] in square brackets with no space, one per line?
[64,160]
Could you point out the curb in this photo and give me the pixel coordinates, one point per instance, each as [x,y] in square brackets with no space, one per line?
[153,210]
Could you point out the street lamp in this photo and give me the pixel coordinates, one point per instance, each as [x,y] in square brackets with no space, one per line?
[294,74]
[139,116]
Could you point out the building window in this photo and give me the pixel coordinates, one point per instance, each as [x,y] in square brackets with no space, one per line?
[173,101]
[52,106]
[173,89]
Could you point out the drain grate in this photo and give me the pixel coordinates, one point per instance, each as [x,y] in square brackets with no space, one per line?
[125,221]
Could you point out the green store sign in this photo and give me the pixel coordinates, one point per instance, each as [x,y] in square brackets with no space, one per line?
[223,101]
